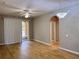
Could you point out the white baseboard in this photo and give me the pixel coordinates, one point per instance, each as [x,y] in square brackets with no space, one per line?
[74,52]
[42,42]
[9,43]
[13,42]
[1,44]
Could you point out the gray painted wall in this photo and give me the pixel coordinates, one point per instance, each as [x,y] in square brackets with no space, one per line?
[42,27]
[31,29]
[1,30]
[68,25]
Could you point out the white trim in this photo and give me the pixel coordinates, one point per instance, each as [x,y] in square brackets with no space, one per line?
[74,52]
[9,43]
[42,42]
[1,44]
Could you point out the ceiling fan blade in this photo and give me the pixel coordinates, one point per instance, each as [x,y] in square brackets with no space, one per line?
[4,4]
[13,7]
[17,13]
[34,12]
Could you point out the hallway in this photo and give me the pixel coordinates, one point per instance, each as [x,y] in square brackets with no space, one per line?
[33,50]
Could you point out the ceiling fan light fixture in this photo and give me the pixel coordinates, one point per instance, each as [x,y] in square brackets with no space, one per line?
[27,15]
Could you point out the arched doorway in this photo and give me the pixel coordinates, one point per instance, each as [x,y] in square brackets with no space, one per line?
[54,31]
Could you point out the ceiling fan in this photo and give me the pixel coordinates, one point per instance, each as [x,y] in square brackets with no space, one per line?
[26,12]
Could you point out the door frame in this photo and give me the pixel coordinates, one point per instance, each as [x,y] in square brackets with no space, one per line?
[54,29]
[27,27]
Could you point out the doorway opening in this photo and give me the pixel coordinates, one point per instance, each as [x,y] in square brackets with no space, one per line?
[54,31]
[25,30]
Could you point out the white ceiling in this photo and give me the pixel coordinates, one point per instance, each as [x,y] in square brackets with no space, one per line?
[44,6]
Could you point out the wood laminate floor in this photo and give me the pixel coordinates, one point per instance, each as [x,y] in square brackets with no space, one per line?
[33,50]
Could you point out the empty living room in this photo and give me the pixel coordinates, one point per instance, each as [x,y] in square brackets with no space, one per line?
[39,29]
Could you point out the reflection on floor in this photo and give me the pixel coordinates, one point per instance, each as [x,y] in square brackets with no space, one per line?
[33,50]
[55,45]
[24,38]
